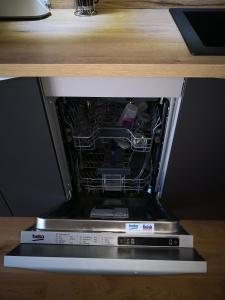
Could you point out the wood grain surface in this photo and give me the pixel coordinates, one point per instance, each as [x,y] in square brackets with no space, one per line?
[209,239]
[139,3]
[113,43]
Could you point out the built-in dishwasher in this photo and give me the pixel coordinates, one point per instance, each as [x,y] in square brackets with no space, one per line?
[112,139]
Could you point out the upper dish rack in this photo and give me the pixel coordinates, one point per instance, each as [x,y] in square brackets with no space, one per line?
[91,121]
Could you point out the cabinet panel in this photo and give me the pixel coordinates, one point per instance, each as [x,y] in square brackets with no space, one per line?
[29,173]
[194,185]
[4,209]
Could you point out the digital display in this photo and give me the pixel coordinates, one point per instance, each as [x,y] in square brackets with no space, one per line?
[148,241]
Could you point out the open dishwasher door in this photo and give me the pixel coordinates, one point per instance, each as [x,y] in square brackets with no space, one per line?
[106,260]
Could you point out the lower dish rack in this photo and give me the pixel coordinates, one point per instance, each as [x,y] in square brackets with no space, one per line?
[129,171]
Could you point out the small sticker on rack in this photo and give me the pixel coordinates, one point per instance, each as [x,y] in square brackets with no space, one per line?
[140,227]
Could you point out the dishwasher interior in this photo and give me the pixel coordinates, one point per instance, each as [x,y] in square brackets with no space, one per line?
[114,153]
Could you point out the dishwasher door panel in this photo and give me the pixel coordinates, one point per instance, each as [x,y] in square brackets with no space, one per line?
[106,260]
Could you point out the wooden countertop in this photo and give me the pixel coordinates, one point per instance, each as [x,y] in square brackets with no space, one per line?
[209,239]
[119,42]
[142,3]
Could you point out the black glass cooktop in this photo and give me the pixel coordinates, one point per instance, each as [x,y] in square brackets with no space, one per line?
[203,30]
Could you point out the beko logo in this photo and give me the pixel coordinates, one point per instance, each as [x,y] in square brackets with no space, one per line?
[37,237]
[133,226]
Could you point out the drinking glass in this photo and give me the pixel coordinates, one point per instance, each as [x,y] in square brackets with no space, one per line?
[85,7]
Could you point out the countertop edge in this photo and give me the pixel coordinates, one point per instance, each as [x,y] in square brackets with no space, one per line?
[113,70]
